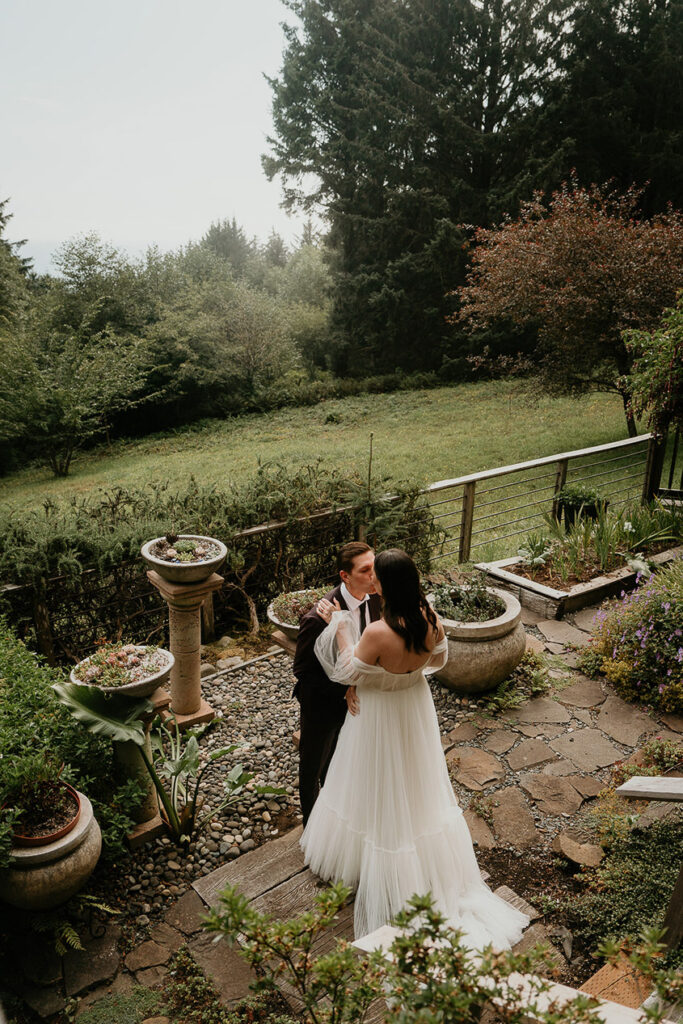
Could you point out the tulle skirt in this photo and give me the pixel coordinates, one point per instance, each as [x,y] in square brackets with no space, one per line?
[387,823]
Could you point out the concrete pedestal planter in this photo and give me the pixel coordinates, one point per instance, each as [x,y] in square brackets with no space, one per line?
[185,572]
[482,654]
[43,877]
[300,602]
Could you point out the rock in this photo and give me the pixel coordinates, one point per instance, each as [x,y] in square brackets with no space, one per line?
[98,961]
[586,785]
[583,715]
[561,767]
[559,631]
[224,967]
[513,822]
[476,768]
[624,722]
[46,1002]
[224,641]
[206,669]
[538,933]
[587,748]
[150,977]
[534,645]
[482,836]
[674,722]
[517,902]
[586,854]
[554,648]
[585,619]
[540,709]
[554,795]
[173,865]
[584,693]
[148,954]
[530,753]
[226,663]
[462,733]
[168,936]
[500,741]
[185,915]
[529,616]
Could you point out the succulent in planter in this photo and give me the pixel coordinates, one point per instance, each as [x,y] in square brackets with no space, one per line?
[173,548]
[290,607]
[128,667]
[472,602]
[39,806]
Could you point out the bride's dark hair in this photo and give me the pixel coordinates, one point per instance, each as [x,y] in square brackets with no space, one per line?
[404,606]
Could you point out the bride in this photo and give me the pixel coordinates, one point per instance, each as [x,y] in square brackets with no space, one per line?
[387,822]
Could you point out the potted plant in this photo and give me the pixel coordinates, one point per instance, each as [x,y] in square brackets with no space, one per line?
[121,667]
[579,500]
[184,558]
[486,638]
[49,839]
[287,610]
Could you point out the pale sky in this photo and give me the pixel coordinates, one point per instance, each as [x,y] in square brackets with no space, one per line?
[143,120]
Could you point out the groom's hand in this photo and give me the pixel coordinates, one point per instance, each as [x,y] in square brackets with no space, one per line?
[352,701]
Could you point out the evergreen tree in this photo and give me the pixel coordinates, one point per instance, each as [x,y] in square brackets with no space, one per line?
[617,110]
[409,118]
[229,241]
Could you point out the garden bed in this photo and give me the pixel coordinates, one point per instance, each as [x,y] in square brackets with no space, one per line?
[553,603]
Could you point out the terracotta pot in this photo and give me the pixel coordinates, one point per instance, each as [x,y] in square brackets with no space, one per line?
[482,654]
[51,837]
[185,572]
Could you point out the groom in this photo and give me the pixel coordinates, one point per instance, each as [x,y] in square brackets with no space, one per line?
[323,702]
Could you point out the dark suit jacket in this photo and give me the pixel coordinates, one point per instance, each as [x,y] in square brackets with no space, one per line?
[318,695]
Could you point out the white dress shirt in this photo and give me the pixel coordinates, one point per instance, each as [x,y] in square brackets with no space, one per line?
[353,604]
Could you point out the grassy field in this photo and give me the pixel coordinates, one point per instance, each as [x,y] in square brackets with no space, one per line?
[421,436]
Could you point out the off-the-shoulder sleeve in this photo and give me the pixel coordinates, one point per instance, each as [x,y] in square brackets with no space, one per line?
[335,645]
[439,657]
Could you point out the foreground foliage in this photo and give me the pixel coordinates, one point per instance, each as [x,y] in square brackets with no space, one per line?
[32,720]
[428,975]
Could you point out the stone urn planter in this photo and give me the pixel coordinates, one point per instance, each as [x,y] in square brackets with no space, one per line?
[41,877]
[293,605]
[179,569]
[482,654]
[144,682]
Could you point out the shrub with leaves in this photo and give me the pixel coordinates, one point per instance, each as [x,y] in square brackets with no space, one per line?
[32,719]
[427,975]
[640,641]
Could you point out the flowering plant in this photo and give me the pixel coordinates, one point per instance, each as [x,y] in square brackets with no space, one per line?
[638,642]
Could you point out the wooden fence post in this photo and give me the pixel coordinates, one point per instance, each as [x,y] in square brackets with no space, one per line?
[41,619]
[560,480]
[656,450]
[466,521]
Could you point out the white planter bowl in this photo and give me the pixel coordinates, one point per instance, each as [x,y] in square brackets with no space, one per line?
[482,654]
[184,572]
[141,688]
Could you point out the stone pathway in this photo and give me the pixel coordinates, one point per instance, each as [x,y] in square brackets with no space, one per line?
[522,778]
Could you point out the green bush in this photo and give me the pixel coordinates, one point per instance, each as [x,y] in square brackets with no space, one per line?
[32,719]
[630,890]
[638,641]
[55,550]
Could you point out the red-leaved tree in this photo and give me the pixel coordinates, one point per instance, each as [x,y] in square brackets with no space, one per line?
[582,269]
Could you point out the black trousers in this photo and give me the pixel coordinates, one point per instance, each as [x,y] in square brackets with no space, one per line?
[316,747]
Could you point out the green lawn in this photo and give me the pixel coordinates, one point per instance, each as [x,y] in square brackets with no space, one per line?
[422,436]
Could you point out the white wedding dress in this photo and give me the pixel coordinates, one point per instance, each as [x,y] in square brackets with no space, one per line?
[387,822]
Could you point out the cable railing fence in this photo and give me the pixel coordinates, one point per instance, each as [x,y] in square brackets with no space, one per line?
[481,513]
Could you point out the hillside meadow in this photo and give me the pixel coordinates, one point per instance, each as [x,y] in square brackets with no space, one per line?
[420,436]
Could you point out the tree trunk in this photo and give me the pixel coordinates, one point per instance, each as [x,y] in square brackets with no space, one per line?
[628,413]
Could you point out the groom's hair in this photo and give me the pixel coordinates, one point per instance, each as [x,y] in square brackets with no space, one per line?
[347,553]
